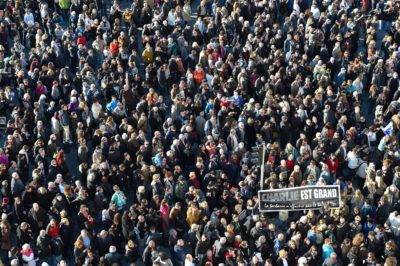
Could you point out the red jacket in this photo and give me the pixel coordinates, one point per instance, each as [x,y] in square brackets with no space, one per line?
[332,165]
[114,48]
[54,230]
[226,104]
[195,182]
[82,40]
[290,164]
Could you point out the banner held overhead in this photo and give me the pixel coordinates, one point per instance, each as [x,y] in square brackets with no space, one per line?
[299,198]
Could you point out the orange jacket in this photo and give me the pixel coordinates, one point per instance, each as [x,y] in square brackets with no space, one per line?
[193,216]
[199,76]
[114,47]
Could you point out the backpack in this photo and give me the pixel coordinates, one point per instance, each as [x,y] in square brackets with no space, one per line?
[180,190]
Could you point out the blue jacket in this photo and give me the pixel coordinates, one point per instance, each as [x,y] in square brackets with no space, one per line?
[327,250]
[278,245]
[64,118]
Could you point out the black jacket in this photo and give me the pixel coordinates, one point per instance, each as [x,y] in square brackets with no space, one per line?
[112,258]
[103,244]
[24,236]
[147,256]
[342,232]
[57,247]
[44,246]
[132,254]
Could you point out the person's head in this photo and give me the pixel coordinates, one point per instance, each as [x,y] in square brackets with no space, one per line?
[390,245]
[53,221]
[152,244]
[189,258]
[390,261]
[302,261]
[112,249]
[292,244]
[283,254]
[35,207]
[26,247]
[371,256]
[130,244]
[15,176]
[79,244]
[84,233]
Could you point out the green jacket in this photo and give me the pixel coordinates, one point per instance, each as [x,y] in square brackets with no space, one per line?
[119,200]
[65,4]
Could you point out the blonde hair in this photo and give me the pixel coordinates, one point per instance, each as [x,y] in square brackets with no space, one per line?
[358,195]
[358,239]
[42,190]
[282,253]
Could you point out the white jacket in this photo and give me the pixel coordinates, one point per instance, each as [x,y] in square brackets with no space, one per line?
[353,160]
[55,125]
[394,224]
[29,260]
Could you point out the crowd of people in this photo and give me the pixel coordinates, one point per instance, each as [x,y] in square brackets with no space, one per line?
[130,131]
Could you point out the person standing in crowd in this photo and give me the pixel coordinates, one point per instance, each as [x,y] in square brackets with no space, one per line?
[119,198]
[65,124]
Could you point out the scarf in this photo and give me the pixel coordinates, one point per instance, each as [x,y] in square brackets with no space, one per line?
[27,253]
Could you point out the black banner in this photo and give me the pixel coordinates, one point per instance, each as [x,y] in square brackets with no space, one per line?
[299,198]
